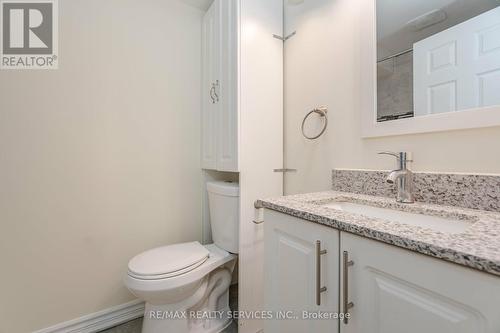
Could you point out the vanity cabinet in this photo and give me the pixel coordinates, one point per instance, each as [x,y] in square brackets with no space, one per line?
[300,259]
[389,289]
[219,87]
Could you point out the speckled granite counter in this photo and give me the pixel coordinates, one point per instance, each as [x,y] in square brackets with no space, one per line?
[478,246]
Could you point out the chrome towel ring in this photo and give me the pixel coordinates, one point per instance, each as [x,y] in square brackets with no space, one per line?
[322,111]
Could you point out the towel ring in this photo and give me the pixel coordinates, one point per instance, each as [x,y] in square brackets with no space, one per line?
[322,111]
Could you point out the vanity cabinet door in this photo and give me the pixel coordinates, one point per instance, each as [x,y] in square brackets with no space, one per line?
[395,290]
[290,275]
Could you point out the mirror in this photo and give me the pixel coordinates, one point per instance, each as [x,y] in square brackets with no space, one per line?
[436,56]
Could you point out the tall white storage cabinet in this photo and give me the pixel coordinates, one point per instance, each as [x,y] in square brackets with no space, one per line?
[242,123]
[220,88]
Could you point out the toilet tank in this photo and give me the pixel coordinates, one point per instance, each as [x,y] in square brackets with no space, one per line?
[224,205]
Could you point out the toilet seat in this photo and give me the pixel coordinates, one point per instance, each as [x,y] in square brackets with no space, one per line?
[168,261]
[151,288]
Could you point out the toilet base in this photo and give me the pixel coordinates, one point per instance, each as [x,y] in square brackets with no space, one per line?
[214,325]
[166,319]
[194,302]
[206,311]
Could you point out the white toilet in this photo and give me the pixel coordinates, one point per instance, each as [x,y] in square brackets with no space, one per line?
[186,286]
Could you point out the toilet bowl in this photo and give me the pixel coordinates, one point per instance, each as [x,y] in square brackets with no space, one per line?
[186,286]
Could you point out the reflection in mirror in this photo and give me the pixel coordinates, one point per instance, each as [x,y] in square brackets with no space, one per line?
[436,56]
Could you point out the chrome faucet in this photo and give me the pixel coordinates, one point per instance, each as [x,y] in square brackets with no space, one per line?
[403,177]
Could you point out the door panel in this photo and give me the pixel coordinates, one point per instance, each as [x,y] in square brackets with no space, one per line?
[227,139]
[209,106]
[422,310]
[459,68]
[395,290]
[290,273]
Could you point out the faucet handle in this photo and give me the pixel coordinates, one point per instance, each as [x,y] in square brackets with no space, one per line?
[401,156]
[396,155]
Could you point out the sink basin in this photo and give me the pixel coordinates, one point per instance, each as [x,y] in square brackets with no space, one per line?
[442,224]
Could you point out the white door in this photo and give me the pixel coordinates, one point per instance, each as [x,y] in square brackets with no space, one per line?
[291,271]
[394,291]
[227,134]
[459,68]
[210,105]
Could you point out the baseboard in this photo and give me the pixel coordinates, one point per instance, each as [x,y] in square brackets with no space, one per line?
[101,320]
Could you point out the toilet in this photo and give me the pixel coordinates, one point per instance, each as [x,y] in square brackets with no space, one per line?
[186,286]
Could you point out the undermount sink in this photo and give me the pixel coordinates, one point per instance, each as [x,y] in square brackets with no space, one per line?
[442,224]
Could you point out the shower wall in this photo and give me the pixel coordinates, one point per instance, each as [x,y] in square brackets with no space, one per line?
[395,86]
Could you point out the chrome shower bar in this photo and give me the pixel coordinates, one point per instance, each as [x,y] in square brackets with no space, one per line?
[395,55]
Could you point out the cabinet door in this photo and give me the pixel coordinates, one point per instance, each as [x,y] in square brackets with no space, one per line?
[209,112]
[291,271]
[227,136]
[395,290]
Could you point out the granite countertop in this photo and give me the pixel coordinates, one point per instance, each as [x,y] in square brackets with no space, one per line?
[476,246]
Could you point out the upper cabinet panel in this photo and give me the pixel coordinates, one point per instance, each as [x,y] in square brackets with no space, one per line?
[209,76]
[227,147]
[220,87]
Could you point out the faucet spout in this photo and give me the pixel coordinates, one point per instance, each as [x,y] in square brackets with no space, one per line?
[402,177]
[395,175]
[404,185]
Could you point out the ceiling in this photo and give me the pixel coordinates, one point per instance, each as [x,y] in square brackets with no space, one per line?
[393,33]
[200,4]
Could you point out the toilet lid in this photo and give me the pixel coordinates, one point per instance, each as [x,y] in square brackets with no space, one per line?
[168,261]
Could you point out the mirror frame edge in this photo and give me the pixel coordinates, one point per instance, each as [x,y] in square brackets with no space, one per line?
[370,128]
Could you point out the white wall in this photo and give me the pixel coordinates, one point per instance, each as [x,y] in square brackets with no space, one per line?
[99,160]
[323,68]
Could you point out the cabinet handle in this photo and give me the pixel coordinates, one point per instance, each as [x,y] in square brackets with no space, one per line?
[347,305]
[319,289]
[216,85]
[212,90]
